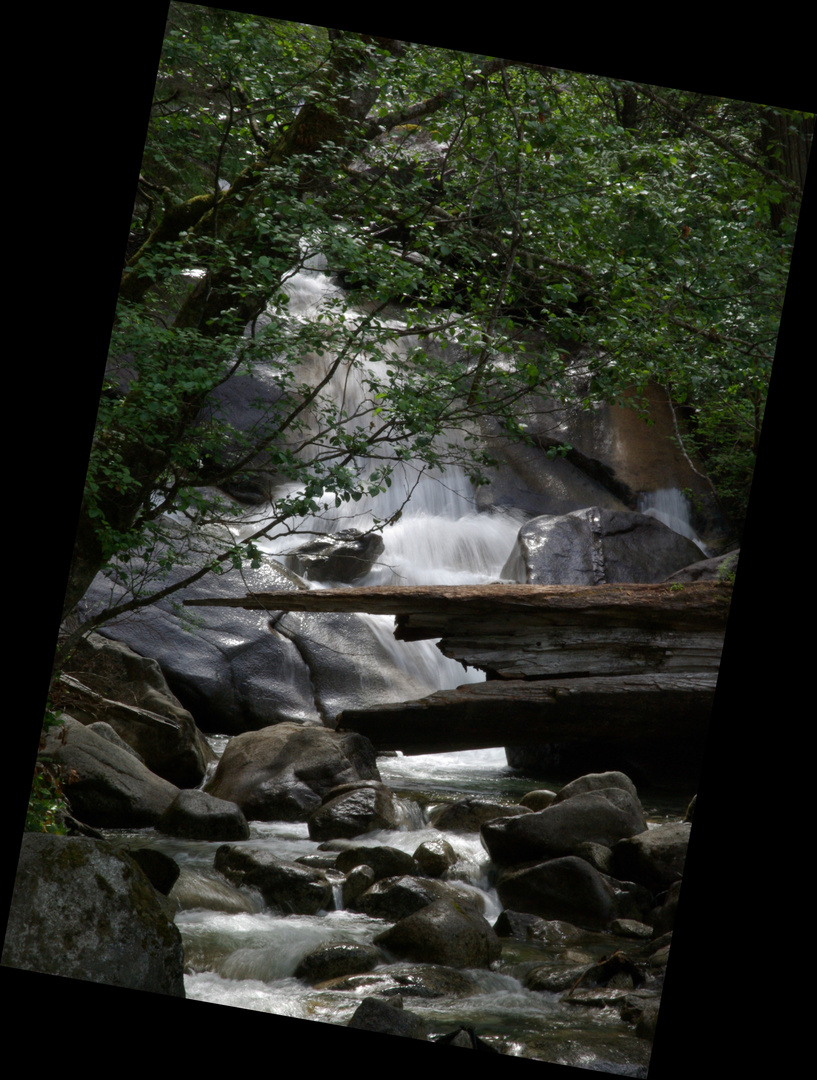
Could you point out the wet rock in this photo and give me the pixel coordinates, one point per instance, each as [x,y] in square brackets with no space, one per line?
[389,1017]
[444,932]
[83,910]
[194,815]
[594,817]
[410,980]
[565,888]
[109,787]
[469,814]
[362,809]
[385,861]
[539,799]
[655,858]
[397,897]
[467,1038]
[434,857]
[336,960]
[344,556]
[283,772]
[288,887]
[357,881]
[597,546]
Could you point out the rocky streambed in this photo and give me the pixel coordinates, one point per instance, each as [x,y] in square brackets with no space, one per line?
[311,879]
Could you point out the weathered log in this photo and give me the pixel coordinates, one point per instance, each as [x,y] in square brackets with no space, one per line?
[507,712]
[537,631]
[424,609]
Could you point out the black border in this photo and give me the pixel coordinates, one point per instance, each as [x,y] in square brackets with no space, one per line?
[722,1010]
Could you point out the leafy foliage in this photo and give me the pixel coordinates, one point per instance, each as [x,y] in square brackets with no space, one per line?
[520,213]
[47,805]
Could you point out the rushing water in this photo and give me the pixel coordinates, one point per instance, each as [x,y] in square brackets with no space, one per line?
[241,954]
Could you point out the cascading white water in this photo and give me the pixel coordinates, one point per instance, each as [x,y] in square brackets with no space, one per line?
[671,507]
[438,537]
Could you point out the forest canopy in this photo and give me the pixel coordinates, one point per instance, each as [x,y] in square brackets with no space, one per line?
[532,214]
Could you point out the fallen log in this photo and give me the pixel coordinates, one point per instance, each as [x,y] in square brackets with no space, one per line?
[508,712]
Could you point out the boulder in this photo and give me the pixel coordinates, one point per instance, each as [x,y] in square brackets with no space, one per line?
[83,910]
[384,861]
[283,772]
[195,815]
[396,897]
[344,556]
[654,859]
[106,786]
[468,815]
[596,546]
[445,932]
[434,857]
[365,808]
[288,887]
[106,681]
[388,1017]
[595,782]
[409,980]
[566,888]
[592,817]
[337,959]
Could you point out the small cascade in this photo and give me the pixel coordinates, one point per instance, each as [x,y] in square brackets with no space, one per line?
[671,507]
[437,535]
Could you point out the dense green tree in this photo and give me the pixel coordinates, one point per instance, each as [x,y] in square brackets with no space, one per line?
[525,211]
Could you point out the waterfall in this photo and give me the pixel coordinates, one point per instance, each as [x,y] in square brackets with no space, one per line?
[671,507]
[439,537]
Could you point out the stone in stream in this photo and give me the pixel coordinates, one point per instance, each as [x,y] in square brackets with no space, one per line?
[195,815]
[336,960]
[361,808]
[389,1017]
[288,887]
[567,888]
[283,772]
[445,932]
[600,817]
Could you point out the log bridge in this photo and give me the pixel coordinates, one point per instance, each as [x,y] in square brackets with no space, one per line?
[563,663]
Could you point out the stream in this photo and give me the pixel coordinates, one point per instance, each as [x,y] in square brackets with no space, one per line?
[238,953]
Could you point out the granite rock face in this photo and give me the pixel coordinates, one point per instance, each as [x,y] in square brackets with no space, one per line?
[86,911]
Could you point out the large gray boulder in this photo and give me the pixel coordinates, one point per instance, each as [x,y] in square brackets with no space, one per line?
[596,546]
[106,784]
[655,858]
[105,681]
[86,911]
[195,815]
[283,772]
[344,556]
